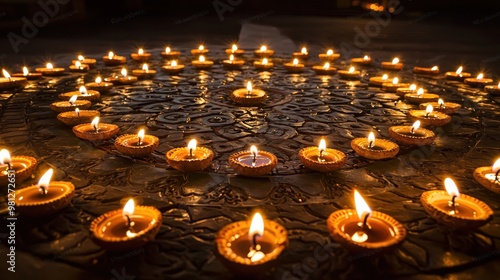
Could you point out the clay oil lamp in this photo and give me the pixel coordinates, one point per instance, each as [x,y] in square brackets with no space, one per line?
[77,116]
[489,177]
[479,81]
[27,74]
[235,51]
[412,135]
[253,162]
[170,54]
[79,67]
[372,148]
[85,60]
[82,93]
[302,55]
[263,52]
[99,85]
[50,70]
[248,96]
[493,90]
[351,74]
[263,65]
[455,210]
[190,158]
[45,198]
[113,60]
[429,117]
[70,105]
[411,89]
[294,66]
[123,79]
[324,69]
[394,85]
[136,145]
[8,82]
[443,107]
[232,63]
[329,56]
[434,70]
[21,166]
[201,50]
[144,72]
[173,68]
[126,229]
[379,80]
[321,158]
[140,55]
[421,97]
[363,61]
[392,65]
[201,63]
[458,75]
[251,247]
[362,229]
[95,131]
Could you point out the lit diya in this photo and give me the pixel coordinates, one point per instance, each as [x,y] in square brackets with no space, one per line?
[363,229]
[202,63]
[233,63]
[8,82]
[123,79]
[199,51]
[99,85]
[144,72]
[489,177]
[85,60]
[421,97]
[329,56]
[70,105]
[351,74]
[379,80]
[479,81]
[248,96]
[434,70]
[234,51]
[79,67]
[412,135]
[493,90]
[136,145]
[324,69]
[443,107]
[190,158]
[77,116]
[394,85]
[263,64]
[45,198]
[411,89]
[458,75]
[126,229]
[251,247]
[302,55]
[253,162]
[82,93]
[173,67]
[429,117]
[392,65]
[374,148]
[321,158]
[455,210]
[294,66]
[263,52]
[365,60]
[140,55]
[95,131]
[27,74]
[50,70]
[170,54]
[15,169]
[113,60]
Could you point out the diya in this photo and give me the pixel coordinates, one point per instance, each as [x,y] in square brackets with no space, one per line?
[294,66]
[140,56]
[234,51]
[394,85]
[95,131]
[412,135]
[426,70]
[202,63]
[124,79]
[253,162]
[443,107]
[85,60]
[411,89]
[479,81]
[79,67]
[99,85]
[457,75]
[372,148]
[421,97]
[248,96]
[144,72]
[263,52]
[364,61]
[429,117]
[393,65]
[113,60]
[49,70]
[8,82]
[493,90]
[77,116]
[351,74]
[27,74]
[233,63]
[321,158]
[82,93]
[21,166]
[489,177]
[324,69]
[199,51]
[173,68]
[329,56]
[169,54]
[70,105]
[263,64]
[136,145]
[302,55]
[379,81]
[190,158]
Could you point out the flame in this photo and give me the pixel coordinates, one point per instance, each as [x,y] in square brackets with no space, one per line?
[140,51]
[385,77]
[366,57]
[73,99]
[361,207]
[5,157]
[25,71]
[77,111]
[78,64]
[256,226]
[429,109]
[140,135]
[249,86]
[326,66]
[371,139]
[98,79]
[202,58]
[420,92]
[322,145]
[263,48]
[441,102]
[83,90]
[167,50]
[415,126]
[111,55]
[264,62]
[480,76]
[44,182]
[192,145]
[124,72]
[295,62]
[95,123]
[498,85]
[351,70]
[395,81]
[496,166]
[329,52]
[303,50]
[129,208]
[201,47]
[145,67]
[395,61]
[173,63]
[253,150]
[49,66]
[234,48]
[451,187]
[81,58]
[5,73]
[459,70]
[435,68]
[231,58]
[413,87]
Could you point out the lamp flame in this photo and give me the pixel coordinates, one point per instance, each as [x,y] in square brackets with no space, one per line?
[25,71]
[167,50]
[435,68]
[124,72]
[441,102]
[351,70]
[44,182]
[256,226]
[49,66]
[415,126]
[5,157]
[413,87]
[459,70]
[451,187]
[480,76]
[81,58]
[322,145]
[202,58]
[77,111]
[395,81]
[264,62]
[420,92]
[371,140]
[73,99]
[304,50]
[295,61]
[129,208]
[263,48]
[192,145]
[385,77]
[145,67]
[361,207]
[395,61]
[140,135]
[496,166]
[140,51]
[366,57]
[201,47]
[249,86]
[326,66]
[231,58]
[329,52]
[429,109]
[98,80]
[173,63]
[111,55]
[254,151]
[234,48]
[95,123]
[78,64]
[6,74]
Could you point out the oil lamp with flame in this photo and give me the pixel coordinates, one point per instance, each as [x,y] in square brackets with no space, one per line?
[373,148]
[302,55]
[379,80]
[70,105]
[294,67]
[136,145]
[329,56]
[234,50]
[394,85]
[441,106]
[95,130]
[434,70]
[263,64]
[253,162]
[351,74]
[458,75]
[8,82]
[83,94]
[173,67]
[201,50]
[362,61]
[121,79]
[99,85]
[77,116]
[248,96]
[140,55]
[321,158]
[263,51]
[79,67]
[202,63]
[170,54]
[144,72]
[479,81]
[233,62]
[489,176]
[493,89]
[392,65]
[190,158]
[429,117]
[420,96]
[21,166]
[325,69]
[412,135]
[85,60]
[113,60]
[50,70]
[27,74]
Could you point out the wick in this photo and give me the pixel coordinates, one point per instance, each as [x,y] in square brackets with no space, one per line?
[427,115]
[78,113]
[44,191]
[365,220]
[320,154]
[453,202]
[496,175]
[139,143]
[129,223]
[191,152]
[441,106]
[412,130]
[249,92]
[96,129]
[254,241]
[370,144]
[254,159]
[9,167]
